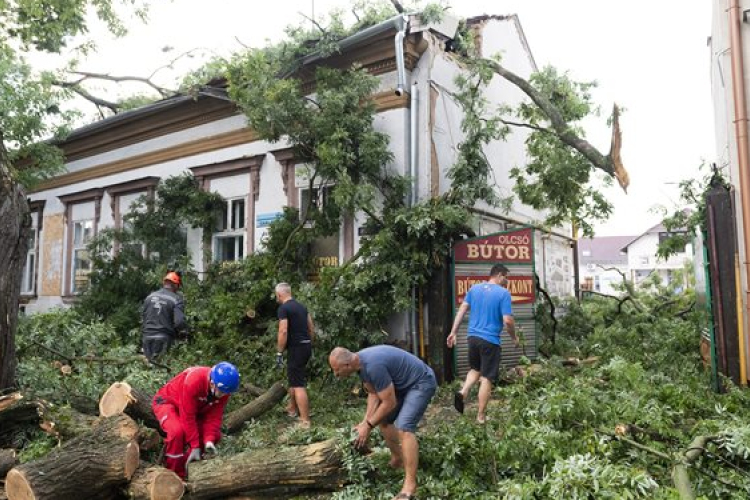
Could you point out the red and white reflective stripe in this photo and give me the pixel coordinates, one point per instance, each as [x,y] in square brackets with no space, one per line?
[174,456]
[163,419]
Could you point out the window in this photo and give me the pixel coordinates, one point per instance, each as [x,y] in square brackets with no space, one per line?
[229,240]
[644,260]
[83,232]
[28,281]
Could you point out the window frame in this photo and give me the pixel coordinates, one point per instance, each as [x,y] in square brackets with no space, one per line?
[70,201]
[36,207]
[238,234]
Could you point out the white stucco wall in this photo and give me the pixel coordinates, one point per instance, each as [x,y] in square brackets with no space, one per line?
[642,258]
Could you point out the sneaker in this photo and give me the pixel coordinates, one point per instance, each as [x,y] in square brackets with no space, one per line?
[458,402]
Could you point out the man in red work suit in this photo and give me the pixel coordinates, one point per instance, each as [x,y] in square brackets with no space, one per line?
[190,408]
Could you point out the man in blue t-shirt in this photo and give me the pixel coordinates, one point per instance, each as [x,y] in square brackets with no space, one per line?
[399,388]
[490,305]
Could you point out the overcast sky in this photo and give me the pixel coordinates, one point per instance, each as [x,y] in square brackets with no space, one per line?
[650,57]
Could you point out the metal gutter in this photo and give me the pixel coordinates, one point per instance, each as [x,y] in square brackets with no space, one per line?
[400,23]
[741,135]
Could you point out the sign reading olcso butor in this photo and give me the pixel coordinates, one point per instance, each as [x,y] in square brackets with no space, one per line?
[472,260]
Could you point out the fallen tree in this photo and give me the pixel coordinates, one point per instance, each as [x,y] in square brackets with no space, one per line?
[315,466]
[257,407]
[89,466]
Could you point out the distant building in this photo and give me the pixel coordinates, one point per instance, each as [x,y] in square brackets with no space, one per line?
[601,262]
[642,259]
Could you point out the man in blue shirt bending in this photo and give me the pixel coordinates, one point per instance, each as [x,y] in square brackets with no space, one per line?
[399,388]
[490,305]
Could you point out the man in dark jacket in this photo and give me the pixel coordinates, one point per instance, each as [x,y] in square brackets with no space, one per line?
[163,317]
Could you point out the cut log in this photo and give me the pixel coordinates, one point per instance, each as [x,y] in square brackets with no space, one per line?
[316,466]
[122,398]
[7,461]
[89,466]
[151,482]
[255,408]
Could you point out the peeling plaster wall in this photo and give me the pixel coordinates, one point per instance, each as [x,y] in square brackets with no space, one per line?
[51,258]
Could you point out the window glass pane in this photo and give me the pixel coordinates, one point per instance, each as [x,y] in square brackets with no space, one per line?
[81,270]
[238,214]
[82,232]
[225,249]
[221,224]
[32,240]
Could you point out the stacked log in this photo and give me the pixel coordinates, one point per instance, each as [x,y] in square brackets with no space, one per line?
[316,466]
[121,398]
[89,466]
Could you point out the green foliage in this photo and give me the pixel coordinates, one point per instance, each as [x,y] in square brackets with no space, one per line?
[120,281]
[686,220]
[470,175]
[558,178]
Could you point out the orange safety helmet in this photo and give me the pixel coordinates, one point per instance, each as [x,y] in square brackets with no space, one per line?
[173,277]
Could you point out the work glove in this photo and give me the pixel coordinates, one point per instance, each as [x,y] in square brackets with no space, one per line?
[210,447]
[195,455]
[279,360]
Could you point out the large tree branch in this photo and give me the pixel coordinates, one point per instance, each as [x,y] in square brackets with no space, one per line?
[397,5]
[97,101]
[611,164]
[85,75]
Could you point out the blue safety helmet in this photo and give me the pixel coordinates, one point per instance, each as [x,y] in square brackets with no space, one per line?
[225,377]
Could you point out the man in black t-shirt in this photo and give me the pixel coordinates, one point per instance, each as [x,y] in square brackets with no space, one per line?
[296,333]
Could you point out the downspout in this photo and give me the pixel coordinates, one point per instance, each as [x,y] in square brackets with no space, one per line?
[413,157]
[402,23]
[740,130]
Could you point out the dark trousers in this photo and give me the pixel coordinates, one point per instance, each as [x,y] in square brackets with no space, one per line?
[156,345]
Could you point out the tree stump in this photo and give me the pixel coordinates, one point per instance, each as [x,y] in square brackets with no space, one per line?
[89,466]
[122,398]
[7,461]
[155,483]
[255,408]
[315,466]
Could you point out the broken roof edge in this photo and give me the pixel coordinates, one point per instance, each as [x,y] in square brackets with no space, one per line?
[480,20]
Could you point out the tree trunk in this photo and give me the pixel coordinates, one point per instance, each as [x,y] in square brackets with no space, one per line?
[122,398]
[7,461]
[15,223]
[155,483]
[315,466]
[255,408]
[90,466]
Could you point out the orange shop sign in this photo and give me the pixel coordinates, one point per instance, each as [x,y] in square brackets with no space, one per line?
[522,290]
[509,247]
